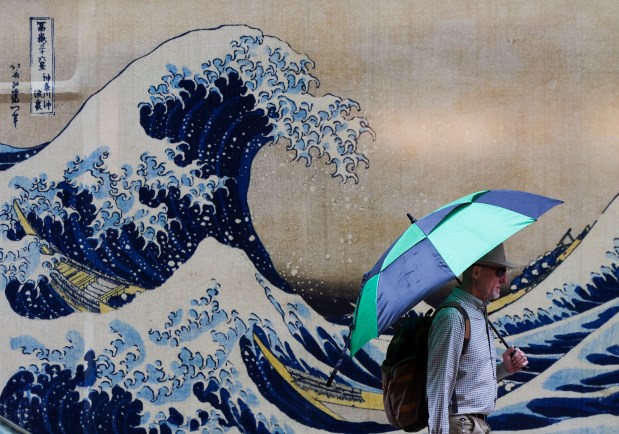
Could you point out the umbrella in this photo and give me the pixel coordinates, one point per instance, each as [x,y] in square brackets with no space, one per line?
[435,250]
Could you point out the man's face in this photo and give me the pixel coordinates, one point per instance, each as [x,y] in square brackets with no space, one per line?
[488,282]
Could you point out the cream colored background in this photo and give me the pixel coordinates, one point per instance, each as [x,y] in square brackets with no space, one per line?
[462,96]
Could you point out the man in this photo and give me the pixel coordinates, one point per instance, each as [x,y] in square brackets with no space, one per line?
[462,387]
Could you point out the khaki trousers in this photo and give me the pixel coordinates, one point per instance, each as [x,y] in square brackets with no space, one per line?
[461,423]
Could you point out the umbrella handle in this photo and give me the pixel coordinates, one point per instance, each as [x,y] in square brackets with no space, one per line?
[341,359]
[496,332]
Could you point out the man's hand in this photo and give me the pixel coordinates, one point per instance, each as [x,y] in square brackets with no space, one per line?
[514,360]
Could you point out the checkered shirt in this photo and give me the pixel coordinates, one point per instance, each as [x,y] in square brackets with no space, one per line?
[461,383]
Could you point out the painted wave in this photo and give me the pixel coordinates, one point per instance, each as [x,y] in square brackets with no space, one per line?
[568,326]
[139,221]
[572,299]
[581,387]
[10,155]
[190,367]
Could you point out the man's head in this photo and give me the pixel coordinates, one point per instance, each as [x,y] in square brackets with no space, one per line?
[484,278]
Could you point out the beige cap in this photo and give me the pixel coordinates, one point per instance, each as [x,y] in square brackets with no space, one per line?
[496,257]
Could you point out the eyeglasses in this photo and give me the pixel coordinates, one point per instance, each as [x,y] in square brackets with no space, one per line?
[499,271]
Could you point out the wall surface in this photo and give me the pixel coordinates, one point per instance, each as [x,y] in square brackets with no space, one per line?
[191,193]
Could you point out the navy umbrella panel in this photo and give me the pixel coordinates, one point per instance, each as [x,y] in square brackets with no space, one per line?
[436,249]
[420,271]
[526,204]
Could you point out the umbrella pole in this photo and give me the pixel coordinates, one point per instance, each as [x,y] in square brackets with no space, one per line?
[341,359]
[496,332]
[494,329]
[347,339]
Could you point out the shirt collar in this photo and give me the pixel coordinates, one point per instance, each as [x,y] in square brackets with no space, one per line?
[470,298]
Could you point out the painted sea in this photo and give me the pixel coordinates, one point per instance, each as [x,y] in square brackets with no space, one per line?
[199,332]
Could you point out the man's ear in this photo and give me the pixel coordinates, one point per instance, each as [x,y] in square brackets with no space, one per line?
[475,272]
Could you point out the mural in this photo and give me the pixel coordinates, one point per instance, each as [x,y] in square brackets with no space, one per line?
[139,296]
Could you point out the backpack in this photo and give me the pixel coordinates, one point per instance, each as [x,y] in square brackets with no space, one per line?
[404,371]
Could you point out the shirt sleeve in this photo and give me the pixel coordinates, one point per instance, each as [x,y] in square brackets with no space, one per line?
[501,371]
[444,349]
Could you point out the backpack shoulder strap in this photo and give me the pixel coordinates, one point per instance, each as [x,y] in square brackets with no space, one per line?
[467,322]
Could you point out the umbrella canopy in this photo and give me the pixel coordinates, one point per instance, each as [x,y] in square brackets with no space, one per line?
[436,249]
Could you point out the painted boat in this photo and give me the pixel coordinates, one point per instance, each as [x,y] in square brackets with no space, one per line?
[84,289]
[508,299]
[340,401]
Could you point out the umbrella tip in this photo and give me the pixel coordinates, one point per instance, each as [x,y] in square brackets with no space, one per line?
[411,218]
